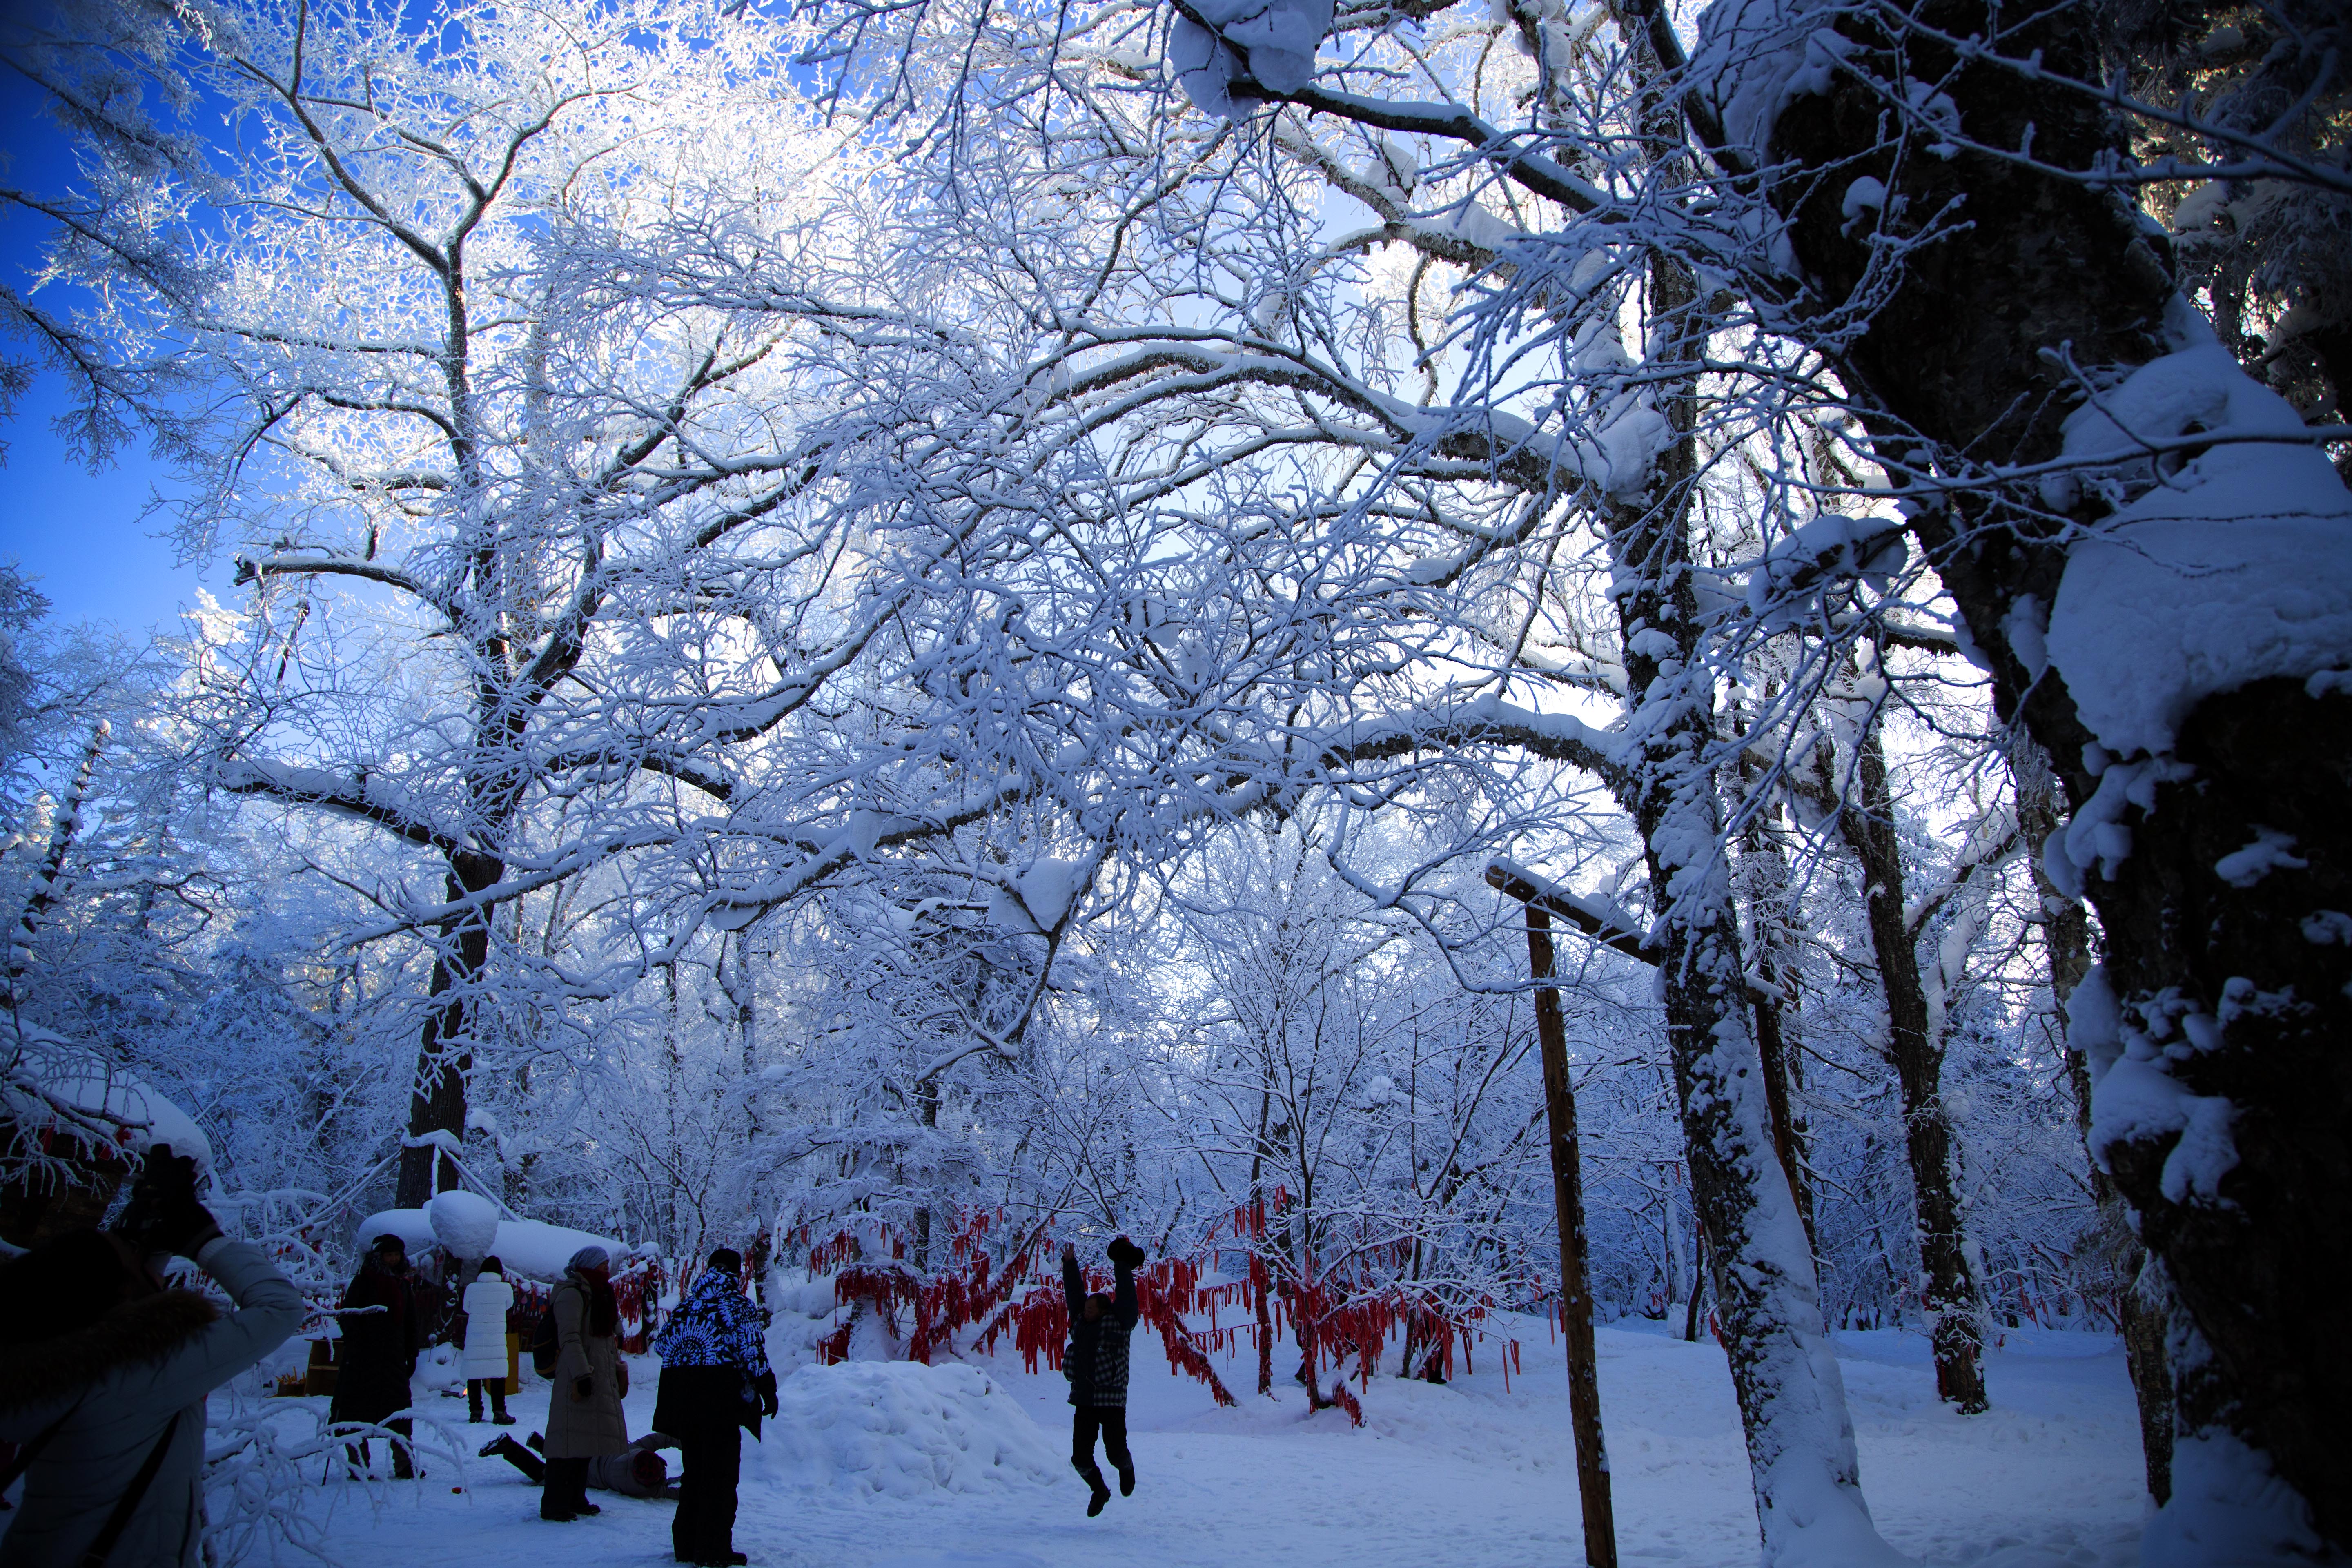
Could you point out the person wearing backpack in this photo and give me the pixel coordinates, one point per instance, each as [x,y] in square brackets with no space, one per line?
[585,1420]
[105,1371]
[715,1382]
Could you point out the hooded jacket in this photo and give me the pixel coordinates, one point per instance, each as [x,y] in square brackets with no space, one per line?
[712,1350]
[382,1333]
[110,1390]
[581,1428]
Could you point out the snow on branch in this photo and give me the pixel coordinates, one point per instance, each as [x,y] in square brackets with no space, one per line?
[358,795]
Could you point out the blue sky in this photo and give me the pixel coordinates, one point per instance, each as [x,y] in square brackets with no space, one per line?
[80,534]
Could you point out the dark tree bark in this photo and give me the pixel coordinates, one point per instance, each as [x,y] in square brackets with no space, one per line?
[1947,1295]
[445,1053]
[1764,867]
[2141,1305]
[1963,355]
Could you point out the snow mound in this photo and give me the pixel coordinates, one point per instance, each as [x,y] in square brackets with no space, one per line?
[467,1223]
[902,1429]
[532,1248]
[2235,567]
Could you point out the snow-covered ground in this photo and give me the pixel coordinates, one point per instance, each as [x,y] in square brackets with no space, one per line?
[1464,1475]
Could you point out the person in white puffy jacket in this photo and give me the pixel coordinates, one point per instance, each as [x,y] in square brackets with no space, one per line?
[488,1301]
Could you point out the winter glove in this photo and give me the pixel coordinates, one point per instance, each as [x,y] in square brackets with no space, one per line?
[621,1375]
[767,1387]
[162,1215]
[1125,1253]
[582,1387]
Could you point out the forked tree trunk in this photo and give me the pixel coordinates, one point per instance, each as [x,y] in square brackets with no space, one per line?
[1771,897]
[2222,1016]
[445,1053]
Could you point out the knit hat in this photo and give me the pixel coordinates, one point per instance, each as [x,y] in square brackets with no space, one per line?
[590,1257]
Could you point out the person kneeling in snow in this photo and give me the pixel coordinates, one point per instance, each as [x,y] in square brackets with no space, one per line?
[715,1381]
[1095,1365]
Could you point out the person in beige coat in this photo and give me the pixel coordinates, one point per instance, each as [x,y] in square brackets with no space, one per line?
[585,1420]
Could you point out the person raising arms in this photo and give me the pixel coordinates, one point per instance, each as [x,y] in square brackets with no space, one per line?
[1095,1365]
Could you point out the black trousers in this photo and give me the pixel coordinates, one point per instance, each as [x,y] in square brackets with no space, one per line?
[1110,1420]
[564,1492]
[703,1530]
[403,1461]
[495,1388]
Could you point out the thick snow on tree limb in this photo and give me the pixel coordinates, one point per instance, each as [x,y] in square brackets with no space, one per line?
[2219,567]
[1215,44]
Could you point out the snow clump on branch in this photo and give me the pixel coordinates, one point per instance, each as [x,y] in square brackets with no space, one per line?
[2233,565]
[1755,57]
[1216,45]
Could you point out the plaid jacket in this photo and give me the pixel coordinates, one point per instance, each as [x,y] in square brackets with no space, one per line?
[1096,1362]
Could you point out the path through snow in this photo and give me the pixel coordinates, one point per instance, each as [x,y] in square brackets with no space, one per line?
[1465,1476]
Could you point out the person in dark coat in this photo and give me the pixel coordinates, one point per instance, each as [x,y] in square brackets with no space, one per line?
[1095,1365]
[382,1333]
[715,1381]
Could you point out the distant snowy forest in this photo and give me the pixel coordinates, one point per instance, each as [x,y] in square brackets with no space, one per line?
[898,631]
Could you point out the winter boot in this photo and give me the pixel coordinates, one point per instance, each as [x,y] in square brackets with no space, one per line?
[1127,1478]
[1094,1478]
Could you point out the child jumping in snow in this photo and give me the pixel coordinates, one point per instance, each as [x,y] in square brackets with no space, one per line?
[1096,1368]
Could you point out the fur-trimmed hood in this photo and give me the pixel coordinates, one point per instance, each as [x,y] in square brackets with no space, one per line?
[146,1330]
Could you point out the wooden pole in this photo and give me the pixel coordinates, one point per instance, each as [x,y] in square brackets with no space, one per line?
[1575,1278]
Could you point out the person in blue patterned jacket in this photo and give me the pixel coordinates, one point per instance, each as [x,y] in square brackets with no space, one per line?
[1095,1364]
[715,1381]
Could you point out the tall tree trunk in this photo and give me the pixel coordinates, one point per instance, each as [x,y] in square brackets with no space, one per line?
[2143,1304]
[1698,1295]
[1791,1396]
[445,1053]
[1948,1294]
[1599,1510]
[1764,867]
[2222,1098]
[1259,1272]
